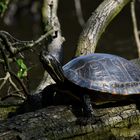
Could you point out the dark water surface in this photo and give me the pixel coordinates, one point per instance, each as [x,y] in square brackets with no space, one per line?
[118,38]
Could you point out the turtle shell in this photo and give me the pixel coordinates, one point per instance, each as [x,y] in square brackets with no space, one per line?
[105,73]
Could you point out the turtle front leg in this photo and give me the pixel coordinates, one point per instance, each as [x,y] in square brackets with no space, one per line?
[87,106]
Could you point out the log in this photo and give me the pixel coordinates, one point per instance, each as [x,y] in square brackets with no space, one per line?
[59,122]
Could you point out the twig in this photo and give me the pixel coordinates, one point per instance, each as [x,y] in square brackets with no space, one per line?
[13,84]
[21,83]
[8,69]
[13,47]
[9,60]
[35,43]
[7,44]
[13,95]
[4,80]
[135,27]
[4,57]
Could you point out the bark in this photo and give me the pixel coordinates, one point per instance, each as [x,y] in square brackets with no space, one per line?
[54,41]
[97,24]
[59,122]
[50,20]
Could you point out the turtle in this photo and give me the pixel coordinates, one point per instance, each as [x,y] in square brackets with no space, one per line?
[97,77]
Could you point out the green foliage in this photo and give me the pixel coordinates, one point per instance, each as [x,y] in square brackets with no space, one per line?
[3,7]
[22,68]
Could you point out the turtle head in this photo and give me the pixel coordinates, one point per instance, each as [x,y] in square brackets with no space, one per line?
[52,66]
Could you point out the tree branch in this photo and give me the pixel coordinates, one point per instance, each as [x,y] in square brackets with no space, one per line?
[8,70]
[14,46]
[97,24]
[55,40]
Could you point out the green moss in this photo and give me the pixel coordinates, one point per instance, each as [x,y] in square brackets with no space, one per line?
[127,128]
[4,111]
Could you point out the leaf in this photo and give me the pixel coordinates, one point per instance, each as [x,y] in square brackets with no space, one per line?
[22,68]
[19,74]
[2,7]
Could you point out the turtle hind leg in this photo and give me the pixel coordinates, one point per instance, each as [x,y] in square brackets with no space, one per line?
[87,106]
[88,112]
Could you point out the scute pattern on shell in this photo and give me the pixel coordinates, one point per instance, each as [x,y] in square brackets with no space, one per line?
[105,73]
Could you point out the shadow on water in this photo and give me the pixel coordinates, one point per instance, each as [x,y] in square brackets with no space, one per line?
[118,38]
